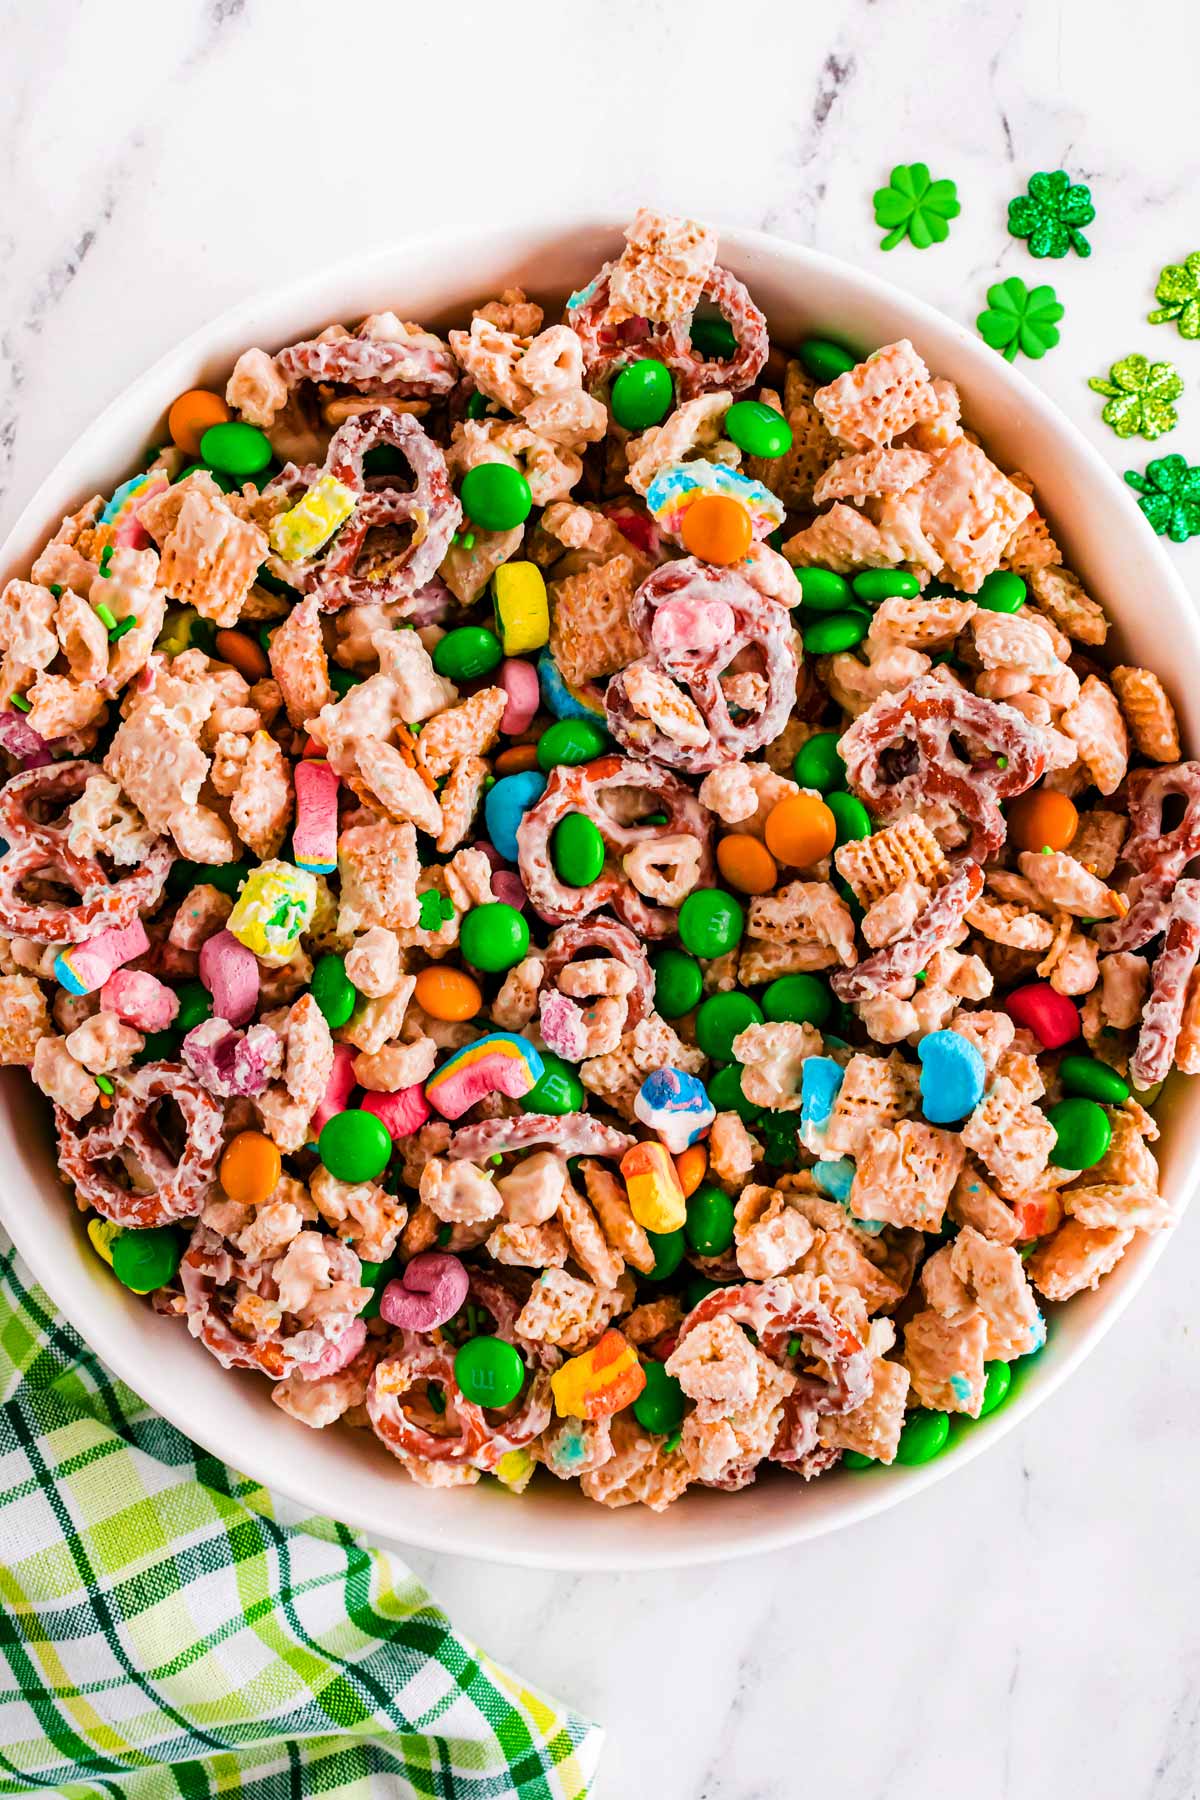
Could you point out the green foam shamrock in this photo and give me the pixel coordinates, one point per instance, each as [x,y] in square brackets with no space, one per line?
[1169,495]
[1020,318]
[914,207]
[1139,396]
[1050,215]
[1179,290]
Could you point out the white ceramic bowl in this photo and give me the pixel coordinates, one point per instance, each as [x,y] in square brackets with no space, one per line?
[348,1474]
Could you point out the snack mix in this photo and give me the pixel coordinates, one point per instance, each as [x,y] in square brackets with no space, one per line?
[584,896]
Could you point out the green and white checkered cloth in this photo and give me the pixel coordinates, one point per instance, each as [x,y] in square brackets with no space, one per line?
[164,1631]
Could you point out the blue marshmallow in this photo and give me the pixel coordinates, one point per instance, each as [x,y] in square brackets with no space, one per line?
[505,805]
[952,1077]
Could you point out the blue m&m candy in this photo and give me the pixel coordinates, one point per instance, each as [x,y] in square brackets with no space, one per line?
[952,1077]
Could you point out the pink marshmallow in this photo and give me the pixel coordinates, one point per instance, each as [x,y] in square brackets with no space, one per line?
[314,840]
[691,625]
[428,1294]
[564,1029]
[510,888]
[338,1089]
[519,681]
[86,967]
[335,1356]
[139,999]
[230,973]
[403,1111]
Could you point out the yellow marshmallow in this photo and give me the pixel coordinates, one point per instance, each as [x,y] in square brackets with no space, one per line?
[522,610]
[300,532]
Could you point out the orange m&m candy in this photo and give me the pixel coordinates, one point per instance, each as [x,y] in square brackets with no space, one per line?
[192,415]
[1042,820]
[717,529]
[250,1168]
[516,759]
[691,1166]
[243,654]
[447,994]
[800,830]
[746,864]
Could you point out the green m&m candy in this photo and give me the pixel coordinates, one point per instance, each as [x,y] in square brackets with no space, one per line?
[924,1436]
[227,878]
[571,741]
[712,338]
[996,1387]
[1001,591]
[678,983]
[839,631]
[709,1225]
[557,1090]
[720,1019]
[659,1407]
[354,1145]
[799,1000]
[725,1092]
[698,1289]
[854,1459]
[577,851]
[669,1248]
[158,1046]
[469,651]
[333,990]
[817,764]
[376,1277]
[853,819]
[874,585]
[342,680]
[824,359]
[145,1260]
[195,1005]
[642,394]
[236,448]
[1083,1133]
[1092,1080]
[488,1371]
[822,591]
[711,922]
[495,496]
[493,937]
[757,429]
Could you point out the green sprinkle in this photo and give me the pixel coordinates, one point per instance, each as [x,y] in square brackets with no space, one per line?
[1002,762]
[921,975]
[497,1159]
[444,1235]
[106,616]
[1046,850]
[795,1345]
[20,702]
[437,1399]
[672,1444]
[468,540]
[105,558]
[104,1084]
[56,590]
[118,631]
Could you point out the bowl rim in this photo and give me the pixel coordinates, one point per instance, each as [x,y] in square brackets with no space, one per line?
[881,1489]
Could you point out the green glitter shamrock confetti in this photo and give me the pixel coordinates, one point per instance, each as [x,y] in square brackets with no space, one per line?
[914,207]
[1139,396]
[1050,215]
[1179,290]
[1020,318]
[1169,495]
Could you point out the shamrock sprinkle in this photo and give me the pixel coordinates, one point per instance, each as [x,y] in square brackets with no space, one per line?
[914,207]
[1139,396]
[1050,215]
[1179,290]
[436,910]
[1169,495]
[1020,318]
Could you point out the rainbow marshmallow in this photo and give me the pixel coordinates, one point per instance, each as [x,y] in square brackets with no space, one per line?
[86,967]
[314,837]
[120,515]
[676,1106]
[600,1381]
[652,1184]
[500,1063]
[300,532]
[675,487]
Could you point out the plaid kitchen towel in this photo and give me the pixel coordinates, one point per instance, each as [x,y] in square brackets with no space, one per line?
[164,1631]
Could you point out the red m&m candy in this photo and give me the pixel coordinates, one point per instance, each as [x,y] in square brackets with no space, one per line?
[1052,1018]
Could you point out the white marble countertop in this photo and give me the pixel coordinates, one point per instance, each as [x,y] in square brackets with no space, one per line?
[1028,1627]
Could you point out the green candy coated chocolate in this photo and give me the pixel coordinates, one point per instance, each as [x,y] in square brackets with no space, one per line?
[1093,1080]
[354,1145]
[799,1000]
[996,1387]
[924,1436]
[1083,1133]
[725,1092]
[333,990]
[558,1089]
[709,1226]
[678,983]
[469,651]
[824,592]
[571,741]
[158,1046]
[659,1407]
[227,878]
[488,1371]
[874,585]
[719,1020]
[840,631]
[493,937]
[577,851]
[854,1459]
[758,429]
[669,1248]
[824,359]
[1001,591]
[376,1277]
[817,763]
[853,819]
[146,1260]
[712,338]
[711,922]
[698,1289]
[642,394]
[495,496]
[195,1005]
[342,680]
[236,448]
